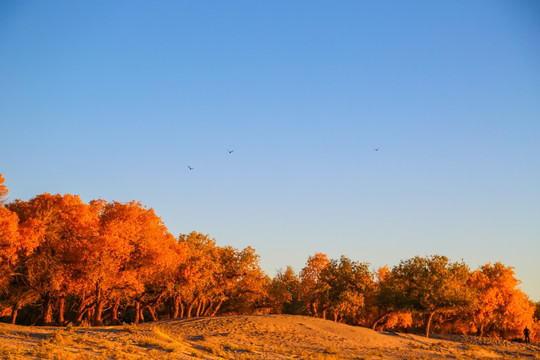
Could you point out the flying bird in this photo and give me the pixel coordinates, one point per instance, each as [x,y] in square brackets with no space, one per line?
[230,151]
[376,149]
[190,168]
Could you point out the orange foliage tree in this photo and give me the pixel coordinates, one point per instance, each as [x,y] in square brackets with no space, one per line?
[309,279]
[343,287]
[214,278]
[17,241]
[428,285]
[284,292]
[54,268]
[196,277]
[98,254]
[131,256]
[384,311]
[9,243]
[502,308]
[3,190]
[248,284]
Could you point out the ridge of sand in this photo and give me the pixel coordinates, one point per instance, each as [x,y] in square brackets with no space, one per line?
[245,337]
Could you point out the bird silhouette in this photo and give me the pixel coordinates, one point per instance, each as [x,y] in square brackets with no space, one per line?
[230,151]
[190,168]
[376,149]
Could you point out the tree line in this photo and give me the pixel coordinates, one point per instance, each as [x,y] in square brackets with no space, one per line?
[63,260]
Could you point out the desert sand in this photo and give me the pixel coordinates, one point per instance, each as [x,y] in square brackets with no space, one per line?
[246,337]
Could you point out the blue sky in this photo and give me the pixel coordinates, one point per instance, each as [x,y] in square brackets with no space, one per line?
[114,99]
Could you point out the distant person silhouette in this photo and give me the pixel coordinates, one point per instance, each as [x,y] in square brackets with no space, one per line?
[527,332]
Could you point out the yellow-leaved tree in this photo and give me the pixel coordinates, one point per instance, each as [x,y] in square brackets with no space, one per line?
[428,285]
[133,254]
[55,267]
[502,308]
[309,278]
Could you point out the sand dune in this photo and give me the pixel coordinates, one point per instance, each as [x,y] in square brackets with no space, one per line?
[245,337]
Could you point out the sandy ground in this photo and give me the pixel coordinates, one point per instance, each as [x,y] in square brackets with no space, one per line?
[246,337]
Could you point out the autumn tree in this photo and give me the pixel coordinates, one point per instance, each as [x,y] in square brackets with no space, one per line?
[17,241]
[213,277]
[429,285]
[284,292]
[98,252]
[309,278]
[12,251]
[132,253]
[384,311]
[196,276]
[9,237]
[343,287]
[249,291]
[502,307]
[54,267]
[3,191]
[9,243]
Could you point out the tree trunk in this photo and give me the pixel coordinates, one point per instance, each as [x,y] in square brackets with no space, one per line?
[81,310]
[80,315]
[14,312]
[189,309]
[90,316]
[429,323]
[170,304]
[203,307]
[98,312]
[314,310]
[208,308]
[378,321]
[98,306]
[115,320]
[61,310]
[48,313]
[182,308]
[198,313]
[141,315]
[137,311]
[481,330]
[176,307]
[152,313]
[217,308]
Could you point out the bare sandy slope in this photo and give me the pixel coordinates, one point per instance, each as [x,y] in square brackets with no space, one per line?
[245,337]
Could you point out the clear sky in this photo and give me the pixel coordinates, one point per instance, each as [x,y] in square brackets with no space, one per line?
[114,99]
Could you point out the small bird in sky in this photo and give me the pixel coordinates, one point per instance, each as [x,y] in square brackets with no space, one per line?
[376,149]
[230,151]
[190,168]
